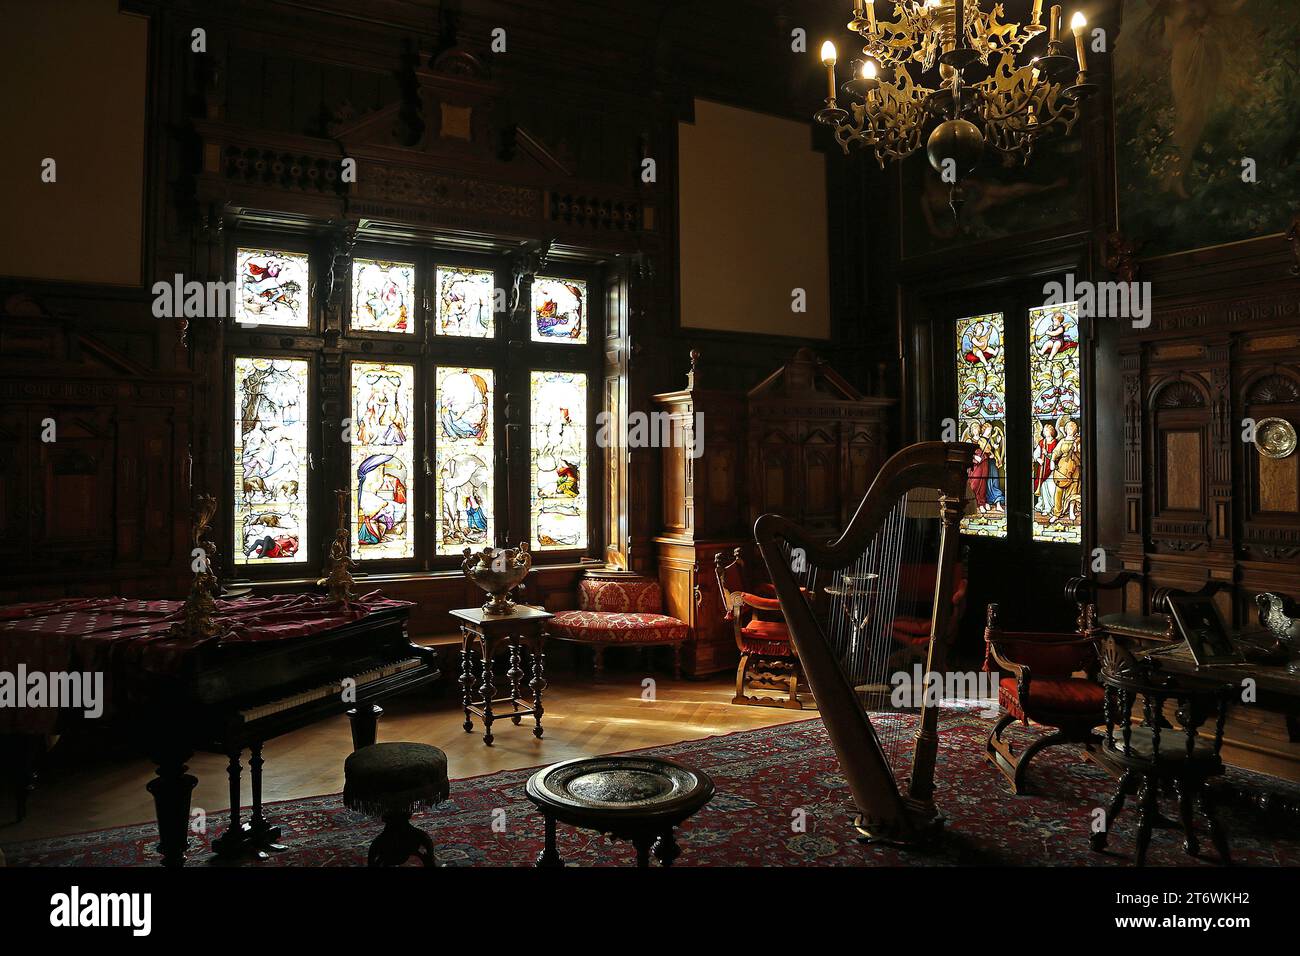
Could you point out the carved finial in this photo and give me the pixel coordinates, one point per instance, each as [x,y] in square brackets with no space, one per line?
[695,367]
[1122,257]
[338,577]
[991,616]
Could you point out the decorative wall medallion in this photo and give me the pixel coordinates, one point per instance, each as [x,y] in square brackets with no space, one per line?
[1275,437]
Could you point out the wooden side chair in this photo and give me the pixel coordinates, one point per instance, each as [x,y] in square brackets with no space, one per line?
[1038,683]
[1154,752]
[768,661]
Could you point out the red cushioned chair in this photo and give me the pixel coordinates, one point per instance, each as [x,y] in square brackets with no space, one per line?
[915,605]
[623,610]
[1039,683]
[768,661]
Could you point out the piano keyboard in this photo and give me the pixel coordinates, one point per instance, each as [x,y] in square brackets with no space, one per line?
[325,691]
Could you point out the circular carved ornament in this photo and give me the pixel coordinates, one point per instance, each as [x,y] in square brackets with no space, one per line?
[1275,437]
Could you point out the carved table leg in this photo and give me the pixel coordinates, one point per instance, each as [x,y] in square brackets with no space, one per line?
[538,683]
[1125,785]
[1148,802]
[466,677]
[365,724]
[1186,796]
[488,689]
[171,790]
[666,849]
[550,856]
[642,844]
[1218,835]
[516,675]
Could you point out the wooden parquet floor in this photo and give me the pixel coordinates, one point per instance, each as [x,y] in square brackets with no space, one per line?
[90,784]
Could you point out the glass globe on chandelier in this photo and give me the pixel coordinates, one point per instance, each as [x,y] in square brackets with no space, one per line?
[884,109]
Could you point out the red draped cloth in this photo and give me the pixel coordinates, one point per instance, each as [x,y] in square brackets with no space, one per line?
[124,638]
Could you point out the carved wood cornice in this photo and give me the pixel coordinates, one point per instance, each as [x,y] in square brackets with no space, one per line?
[1276,308]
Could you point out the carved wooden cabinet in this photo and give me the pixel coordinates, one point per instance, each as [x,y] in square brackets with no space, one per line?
[815,444]
[702,512]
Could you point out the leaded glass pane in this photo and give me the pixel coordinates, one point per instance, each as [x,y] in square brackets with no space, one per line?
[465,301]
[559,460]
[559,310]
[382,461]
[1054,390]
[464,459]
[982,414]
[383,296]
[270,468]
[271,287]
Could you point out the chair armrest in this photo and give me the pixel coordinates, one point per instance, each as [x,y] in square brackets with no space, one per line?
[758,603]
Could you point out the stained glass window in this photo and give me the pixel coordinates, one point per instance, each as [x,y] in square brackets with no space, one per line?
[271,287]
[464,459]
[981,420]
[383,296]
[559,460]
[465,301]
[382,461]
[559,310]
[1054,391]
[270,460]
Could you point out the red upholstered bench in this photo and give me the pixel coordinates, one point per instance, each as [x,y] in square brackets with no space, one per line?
[624,611]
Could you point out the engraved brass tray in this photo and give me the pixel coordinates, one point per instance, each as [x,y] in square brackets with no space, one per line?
[1275,437]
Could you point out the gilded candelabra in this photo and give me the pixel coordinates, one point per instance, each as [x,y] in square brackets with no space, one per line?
[198,615]
[982,91]
[338,568]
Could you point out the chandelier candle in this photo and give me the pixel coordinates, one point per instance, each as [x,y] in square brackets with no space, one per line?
[1038,11]
[828,57]
[1077,23]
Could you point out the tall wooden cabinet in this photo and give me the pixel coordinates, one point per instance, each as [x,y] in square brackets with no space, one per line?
[703,513]
[803,443]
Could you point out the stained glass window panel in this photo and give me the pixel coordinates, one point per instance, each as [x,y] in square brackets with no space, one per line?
[559,460]
[270,461]
[383,296]
[559,310]
[271,287]
[981,420]
[382,461]
[464,459]
[1055,390]
[465,302]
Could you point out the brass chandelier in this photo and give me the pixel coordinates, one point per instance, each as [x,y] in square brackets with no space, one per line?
[985,93]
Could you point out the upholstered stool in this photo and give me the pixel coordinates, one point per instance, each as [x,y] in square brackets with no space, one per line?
[392,781]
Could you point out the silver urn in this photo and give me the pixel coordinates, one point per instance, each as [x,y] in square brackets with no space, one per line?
[498,572]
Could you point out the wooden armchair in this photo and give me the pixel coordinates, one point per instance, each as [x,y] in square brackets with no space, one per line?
[1037,683]
[768,661]
[1153,752]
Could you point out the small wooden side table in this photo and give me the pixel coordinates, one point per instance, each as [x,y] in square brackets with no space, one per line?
[523,628]
[640,799]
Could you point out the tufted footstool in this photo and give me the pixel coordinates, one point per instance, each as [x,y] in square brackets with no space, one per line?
[624,610]
[392,781]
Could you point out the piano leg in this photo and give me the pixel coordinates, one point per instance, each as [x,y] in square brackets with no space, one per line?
[236,838]
[171,790]
[365,724]
[264,834]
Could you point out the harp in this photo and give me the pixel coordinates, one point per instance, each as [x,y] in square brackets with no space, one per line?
[867,606]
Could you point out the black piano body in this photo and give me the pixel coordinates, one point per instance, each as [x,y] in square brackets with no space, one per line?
[228,698]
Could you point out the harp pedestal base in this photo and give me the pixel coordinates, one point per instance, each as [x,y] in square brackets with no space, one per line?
[924,823]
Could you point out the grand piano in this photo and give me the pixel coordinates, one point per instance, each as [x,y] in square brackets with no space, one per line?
[277,664]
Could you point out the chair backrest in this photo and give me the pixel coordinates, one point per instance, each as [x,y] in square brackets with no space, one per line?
[1126,678]
[1046,653]
[729,569]
[626,595]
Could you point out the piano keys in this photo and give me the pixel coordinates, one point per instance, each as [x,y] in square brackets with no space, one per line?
[281,663]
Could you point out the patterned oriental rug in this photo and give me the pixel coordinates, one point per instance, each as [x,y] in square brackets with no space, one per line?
[781,801]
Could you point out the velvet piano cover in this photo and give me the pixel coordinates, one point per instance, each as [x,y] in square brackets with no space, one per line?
[122,639]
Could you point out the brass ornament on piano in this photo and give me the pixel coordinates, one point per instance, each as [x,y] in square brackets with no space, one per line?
[338,576]
[863,611]
[498,572]
[198,615]
[913,87]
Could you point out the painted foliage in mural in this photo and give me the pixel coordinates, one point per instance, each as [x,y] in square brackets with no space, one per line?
[1207,120]
[383,296]
[464,465]
[559,460]
[1055,403]
[981,420]
[270,468]
[559,310]
[382,454]
[465,302]
[271,288]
